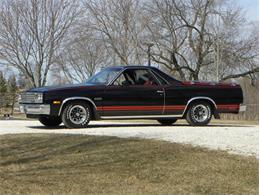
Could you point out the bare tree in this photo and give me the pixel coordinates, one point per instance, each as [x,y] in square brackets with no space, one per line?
[82,56]
[238,45]
[166,32]
[194,39]
[31,31]
[117,23]
[186,39]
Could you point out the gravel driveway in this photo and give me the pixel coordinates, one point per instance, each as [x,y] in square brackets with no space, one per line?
[238,139]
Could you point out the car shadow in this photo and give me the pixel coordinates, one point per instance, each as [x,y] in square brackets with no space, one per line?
[138,125]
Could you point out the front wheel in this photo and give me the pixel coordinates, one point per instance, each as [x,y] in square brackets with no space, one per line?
[76,114]
[199,114]
[167,121]
[50,121]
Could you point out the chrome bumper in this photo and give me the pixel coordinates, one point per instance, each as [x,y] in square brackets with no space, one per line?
[242,108]
[35,108]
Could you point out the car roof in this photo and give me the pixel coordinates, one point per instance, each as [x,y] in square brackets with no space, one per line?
[133,66]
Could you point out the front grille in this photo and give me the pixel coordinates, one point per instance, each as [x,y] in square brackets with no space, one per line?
[28,97]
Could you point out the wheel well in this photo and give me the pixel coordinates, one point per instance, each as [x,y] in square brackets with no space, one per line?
[210,102]
[92,107]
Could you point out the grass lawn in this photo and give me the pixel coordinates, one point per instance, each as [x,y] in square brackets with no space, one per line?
[73,164]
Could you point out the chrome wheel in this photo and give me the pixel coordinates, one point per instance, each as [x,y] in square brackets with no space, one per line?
[200,113]
[78,114]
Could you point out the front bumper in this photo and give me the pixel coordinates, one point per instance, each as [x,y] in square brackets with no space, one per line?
[242,108]
[35,109]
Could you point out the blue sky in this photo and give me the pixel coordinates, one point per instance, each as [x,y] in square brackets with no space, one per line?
[251,7]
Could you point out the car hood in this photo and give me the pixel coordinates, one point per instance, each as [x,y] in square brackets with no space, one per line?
[62,88]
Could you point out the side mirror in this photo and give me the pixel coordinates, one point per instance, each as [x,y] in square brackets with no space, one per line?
[125,83]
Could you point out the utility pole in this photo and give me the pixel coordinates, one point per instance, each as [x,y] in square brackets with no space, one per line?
[217,60]
[218,43]
[149,45]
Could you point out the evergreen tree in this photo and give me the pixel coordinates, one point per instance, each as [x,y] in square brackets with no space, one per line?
[12,84]
[12,90]
[21,81]
[3,85]
[3,90]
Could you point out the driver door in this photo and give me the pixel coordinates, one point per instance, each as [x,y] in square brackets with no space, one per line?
[136,92]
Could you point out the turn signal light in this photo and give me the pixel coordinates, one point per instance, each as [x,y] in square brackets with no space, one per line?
[56,102]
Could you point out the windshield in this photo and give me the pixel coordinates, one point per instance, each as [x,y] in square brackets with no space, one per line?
[104,77]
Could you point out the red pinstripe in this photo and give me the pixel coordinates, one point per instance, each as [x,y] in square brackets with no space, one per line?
[228,107]
[110,108]
[170,107]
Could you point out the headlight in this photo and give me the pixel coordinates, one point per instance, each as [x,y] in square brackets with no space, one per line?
[38,97]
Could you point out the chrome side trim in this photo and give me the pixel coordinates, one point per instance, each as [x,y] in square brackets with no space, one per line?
[76,98]
[164,101]
[140,117]
[198,98]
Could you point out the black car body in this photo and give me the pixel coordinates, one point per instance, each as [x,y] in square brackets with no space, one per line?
[132,92]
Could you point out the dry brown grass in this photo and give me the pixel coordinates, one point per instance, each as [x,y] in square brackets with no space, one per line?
[73,164]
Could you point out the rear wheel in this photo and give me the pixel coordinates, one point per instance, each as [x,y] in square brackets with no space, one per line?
[49,121]
[76,114]
[199,114]
[167,121]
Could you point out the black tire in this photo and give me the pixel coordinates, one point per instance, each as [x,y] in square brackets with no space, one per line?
[199,113]
[76,114]
[50,121]
[166,121]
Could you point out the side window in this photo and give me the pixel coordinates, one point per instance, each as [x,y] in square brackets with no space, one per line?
[144,77]
[120,80]
[135,77]
[162,81]
[126,78]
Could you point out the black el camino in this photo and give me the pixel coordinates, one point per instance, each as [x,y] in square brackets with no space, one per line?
[131,92]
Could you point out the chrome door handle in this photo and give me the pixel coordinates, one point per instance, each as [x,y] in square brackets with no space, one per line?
[160,91]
